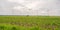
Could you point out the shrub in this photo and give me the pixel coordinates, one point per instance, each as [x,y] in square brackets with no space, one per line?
[14,28]
[2,27]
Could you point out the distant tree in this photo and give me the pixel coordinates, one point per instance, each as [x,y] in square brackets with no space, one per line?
[27,15]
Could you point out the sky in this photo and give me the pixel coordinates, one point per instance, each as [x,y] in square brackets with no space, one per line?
[30,7]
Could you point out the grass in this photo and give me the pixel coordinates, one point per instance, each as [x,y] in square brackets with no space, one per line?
[29,22]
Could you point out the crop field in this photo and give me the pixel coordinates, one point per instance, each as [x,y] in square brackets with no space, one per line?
[29,22]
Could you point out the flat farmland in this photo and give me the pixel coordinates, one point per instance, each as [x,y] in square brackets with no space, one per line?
[29,22]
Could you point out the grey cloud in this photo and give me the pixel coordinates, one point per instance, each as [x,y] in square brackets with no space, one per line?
[6,8]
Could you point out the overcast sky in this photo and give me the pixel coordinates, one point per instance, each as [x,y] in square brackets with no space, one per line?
[29,7]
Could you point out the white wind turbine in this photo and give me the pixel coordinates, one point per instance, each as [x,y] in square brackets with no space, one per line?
[24,8]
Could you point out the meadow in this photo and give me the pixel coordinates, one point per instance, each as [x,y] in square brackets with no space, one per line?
[29,22]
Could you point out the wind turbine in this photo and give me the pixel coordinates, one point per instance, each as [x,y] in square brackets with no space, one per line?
[24,7]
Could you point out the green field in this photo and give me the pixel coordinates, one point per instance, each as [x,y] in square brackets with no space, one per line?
[29,22]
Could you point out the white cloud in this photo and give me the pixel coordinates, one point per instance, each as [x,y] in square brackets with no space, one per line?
[17,7]
[35,5]
[32,5]
[16,1]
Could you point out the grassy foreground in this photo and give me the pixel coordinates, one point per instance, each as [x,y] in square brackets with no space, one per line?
[29,22]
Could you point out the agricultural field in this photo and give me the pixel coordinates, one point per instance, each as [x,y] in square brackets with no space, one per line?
[29,22]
